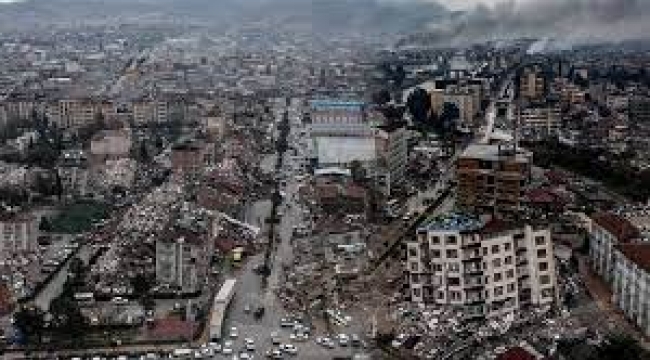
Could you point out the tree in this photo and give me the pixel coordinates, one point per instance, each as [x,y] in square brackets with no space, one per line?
[358,171]
[45,225]
[381,97]
[419,105]
[66,315]
[621,346]
[31,323]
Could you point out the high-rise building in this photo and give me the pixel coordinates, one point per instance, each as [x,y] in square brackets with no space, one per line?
[631,283]
[532,83]
[488,268]
[538,121]
[492,178]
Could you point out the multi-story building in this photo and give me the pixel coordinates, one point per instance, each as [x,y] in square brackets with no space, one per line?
[639,109]
[492,178]
[631,283]
[72,113]
[74,173]
[532,83]
[18,233]
[465,95]
[181,259]
[392,153]
[488,268]
[608,231]
[538,121]
[110,144]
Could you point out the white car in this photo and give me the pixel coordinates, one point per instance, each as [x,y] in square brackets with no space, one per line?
[343,339]
[234,333]
[227,348]
[399,341]
[250,344]
[289,349]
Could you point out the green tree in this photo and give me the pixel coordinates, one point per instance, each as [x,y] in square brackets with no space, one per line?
[67,316]
[45,224]
[622,346]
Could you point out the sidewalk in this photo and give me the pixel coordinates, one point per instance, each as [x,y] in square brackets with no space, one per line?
[602,296]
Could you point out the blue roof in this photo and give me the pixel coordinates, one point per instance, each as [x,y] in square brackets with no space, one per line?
[336,104]
[451,222]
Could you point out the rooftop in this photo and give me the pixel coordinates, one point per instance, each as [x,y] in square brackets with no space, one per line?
[495,152]
[616,225]
[336,105]
[638,253]
[451,222]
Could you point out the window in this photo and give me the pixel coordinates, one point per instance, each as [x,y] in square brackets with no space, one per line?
[508,260]
[498,277]
[452,253]
[413,252]
[540,240]
[437,267]
[435,253]
[498,291]
[543,266]
[545,279]
[414,266]
[416,292]
[453,281]
[455,295]
[451,240]
[440,294]
[495,249]
[547,293]
[485,251]
[510,274]
[453,267]
[507,246]
[511,288]
[496,262]
[541,253]
[435,240]
[415,278]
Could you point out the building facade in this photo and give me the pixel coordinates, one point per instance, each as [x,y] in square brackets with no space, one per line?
[488,268]
[18,234]
[492,178]
[540,121]
[608,231]
[631,285]
[181,260]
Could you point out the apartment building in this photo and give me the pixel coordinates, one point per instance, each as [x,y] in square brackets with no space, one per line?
[73,169]
[487,268]
[538,121]
[608,231]
[532,83]
[18,233]
[182,257]
[631,283]
[492,178]
[465,95]
[72,113]
[392,153]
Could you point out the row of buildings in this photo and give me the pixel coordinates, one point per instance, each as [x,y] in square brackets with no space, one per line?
[621,256]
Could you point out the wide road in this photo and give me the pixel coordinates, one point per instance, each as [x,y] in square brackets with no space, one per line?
[251,294]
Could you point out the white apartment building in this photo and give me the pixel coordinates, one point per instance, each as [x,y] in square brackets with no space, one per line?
[488,268]
[608,230]
[631,283]
[18,233]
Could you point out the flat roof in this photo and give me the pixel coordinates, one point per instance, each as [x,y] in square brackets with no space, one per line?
[454,221]
[493,152]
[328,104]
